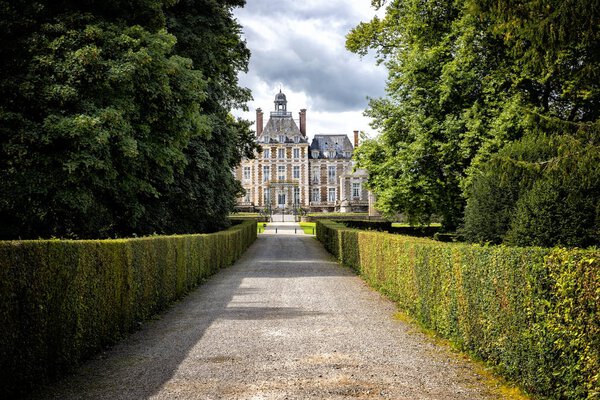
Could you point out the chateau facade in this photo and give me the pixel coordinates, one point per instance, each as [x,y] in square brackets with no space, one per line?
[290,173]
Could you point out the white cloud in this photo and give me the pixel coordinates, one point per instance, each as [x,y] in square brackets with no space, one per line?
[299,46]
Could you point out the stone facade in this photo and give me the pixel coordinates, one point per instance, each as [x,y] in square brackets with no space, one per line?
[289,173]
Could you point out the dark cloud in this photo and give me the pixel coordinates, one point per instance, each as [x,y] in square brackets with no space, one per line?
[301,45]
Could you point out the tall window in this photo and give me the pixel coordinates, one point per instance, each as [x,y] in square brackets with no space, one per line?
[296,172]
[266,173]
[296,195]
[247,173]
[331,195]
[247,196]
[331,173]
[266,153]
[355,190]
[315,174]
[280,153]
[267,196]
[296,153]
[281,172]
[316,196]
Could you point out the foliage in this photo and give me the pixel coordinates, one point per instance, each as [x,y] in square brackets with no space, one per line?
[541,191]
[109,127]
[465,78]
[532,312]
[61,301]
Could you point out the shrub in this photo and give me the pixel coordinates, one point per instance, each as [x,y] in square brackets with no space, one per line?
[532,312]
[541,190]
[61,301]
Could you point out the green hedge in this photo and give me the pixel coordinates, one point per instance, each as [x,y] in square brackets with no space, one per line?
[61,301]
[386,226]
[532,312]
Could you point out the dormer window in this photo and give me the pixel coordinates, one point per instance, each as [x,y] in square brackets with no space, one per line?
[281,138]
[297,139]
[315,154]
[266,138]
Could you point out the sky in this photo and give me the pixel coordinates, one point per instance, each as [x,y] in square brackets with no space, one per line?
[299,47]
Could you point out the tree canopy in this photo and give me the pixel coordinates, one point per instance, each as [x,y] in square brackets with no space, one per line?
[114,118]
[466,78]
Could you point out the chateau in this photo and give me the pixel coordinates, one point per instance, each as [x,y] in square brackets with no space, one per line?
[289,173]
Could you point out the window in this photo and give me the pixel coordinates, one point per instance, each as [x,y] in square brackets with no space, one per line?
[296,153]
[296,195]
[281,172]
[280,153]
[247,172]
[266,139]
[315,175]
[247,196]
[315,154]
[316,196]
[331,195]
[266,173]
[297,139]
[331,173]
[266,153]
[355,190]
[267,196]
[296,172]
[281,138]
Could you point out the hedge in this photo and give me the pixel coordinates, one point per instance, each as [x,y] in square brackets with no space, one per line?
[531,312]
[61,301]
[386,226]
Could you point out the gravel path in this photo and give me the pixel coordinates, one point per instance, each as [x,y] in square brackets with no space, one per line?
[285,322]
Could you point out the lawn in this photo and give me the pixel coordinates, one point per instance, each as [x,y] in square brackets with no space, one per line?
[260,227]
[308,227]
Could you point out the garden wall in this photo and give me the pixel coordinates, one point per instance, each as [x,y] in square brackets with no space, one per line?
[61,301]
[532,312]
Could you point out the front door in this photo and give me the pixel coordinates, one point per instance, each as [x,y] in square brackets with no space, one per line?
[281,200]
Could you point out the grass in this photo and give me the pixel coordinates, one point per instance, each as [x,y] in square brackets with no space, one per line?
[405,224]
[260,227]
[337,214]
[309,228]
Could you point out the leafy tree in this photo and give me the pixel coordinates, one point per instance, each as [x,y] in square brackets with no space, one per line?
[465,79]
[445,84]
[104,119]
[204,193]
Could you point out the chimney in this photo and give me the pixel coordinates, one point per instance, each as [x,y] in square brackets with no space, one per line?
[355,139]
[303,121]
[259,122]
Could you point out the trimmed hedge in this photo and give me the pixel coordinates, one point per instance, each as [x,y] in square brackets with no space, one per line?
[532,312]
[61,301]
[386,226]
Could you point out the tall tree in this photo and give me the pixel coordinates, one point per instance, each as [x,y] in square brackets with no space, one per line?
[465,78]
[101,111]
[204,193]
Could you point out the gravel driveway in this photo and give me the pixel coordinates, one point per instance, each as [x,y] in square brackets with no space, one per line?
[285,322]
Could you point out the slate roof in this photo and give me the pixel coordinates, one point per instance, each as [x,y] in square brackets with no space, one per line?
[338,143]
[281,125]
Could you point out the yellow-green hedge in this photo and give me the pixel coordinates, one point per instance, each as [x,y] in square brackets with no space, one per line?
[61,301]
[532,312]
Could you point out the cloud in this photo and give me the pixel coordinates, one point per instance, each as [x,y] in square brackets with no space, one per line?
[300,46]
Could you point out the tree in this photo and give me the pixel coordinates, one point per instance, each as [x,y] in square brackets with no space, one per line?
[465,79]
[104,117]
